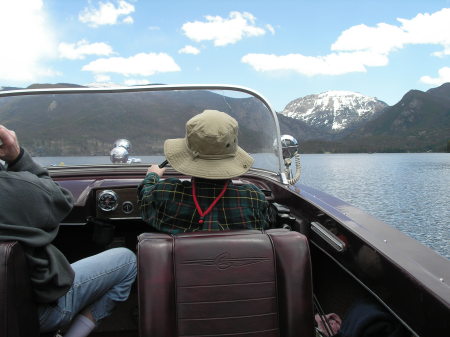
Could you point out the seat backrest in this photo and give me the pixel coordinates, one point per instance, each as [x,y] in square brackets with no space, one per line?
[18,312]
[232,283]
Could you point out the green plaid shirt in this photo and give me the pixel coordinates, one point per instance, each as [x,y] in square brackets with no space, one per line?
[168,205]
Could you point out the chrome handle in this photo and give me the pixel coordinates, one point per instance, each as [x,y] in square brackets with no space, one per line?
[328,237]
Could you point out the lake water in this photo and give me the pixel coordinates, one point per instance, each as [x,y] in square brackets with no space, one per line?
[410,191]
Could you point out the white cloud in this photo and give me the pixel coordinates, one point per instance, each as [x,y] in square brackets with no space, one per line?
[380,39]
[79,50]
[141,64]
[26,40]
[444,76]
[102,78]
[107,13]
[422,29]
[189,50]
[332,64]
[128,20]
[428,28]
[223,31]
[104,85]
[136,82]
[362,46]
[442,53]
[270,29]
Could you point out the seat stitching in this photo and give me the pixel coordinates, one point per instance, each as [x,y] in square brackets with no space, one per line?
[229,317]
[231,334]
[226,285]
[231,301]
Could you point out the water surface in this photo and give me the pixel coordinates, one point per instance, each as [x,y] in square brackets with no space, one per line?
[410,191]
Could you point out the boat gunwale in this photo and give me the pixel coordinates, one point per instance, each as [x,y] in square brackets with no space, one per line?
[420,262]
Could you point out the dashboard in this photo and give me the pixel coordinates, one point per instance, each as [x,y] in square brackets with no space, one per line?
[105,199]
[114,198]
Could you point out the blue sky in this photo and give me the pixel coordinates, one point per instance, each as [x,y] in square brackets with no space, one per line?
[283,49]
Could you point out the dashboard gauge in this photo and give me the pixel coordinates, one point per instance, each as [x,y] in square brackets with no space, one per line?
[127,207]
[107,201]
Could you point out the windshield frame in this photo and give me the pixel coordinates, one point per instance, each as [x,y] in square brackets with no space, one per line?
[162,87]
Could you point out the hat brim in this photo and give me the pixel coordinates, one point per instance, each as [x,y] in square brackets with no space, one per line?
[180,158]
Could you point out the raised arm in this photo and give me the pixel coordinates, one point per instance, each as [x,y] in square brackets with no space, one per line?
[29,197]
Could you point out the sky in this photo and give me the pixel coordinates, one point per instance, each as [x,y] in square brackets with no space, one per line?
[283,49]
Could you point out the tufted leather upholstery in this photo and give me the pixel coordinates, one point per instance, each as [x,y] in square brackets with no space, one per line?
[18,312]
[238,283]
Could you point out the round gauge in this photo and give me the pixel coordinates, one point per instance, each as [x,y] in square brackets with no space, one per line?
[107,201]
[127,207]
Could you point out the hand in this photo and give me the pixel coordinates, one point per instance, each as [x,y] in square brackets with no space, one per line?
[9,146]
[155,169]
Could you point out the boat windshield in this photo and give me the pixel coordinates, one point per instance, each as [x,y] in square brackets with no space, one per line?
[86,126]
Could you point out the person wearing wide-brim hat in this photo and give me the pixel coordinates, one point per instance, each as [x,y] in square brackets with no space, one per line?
[210,154]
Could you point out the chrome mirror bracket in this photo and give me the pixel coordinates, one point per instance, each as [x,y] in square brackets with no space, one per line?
[290,149]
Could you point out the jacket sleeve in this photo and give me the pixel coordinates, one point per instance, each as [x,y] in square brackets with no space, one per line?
[145,188]
[34,203]
[146,202]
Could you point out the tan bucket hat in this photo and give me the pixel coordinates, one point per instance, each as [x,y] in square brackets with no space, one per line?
[209,149]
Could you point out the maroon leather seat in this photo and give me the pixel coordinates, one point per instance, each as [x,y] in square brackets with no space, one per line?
[238,283]
[18,312]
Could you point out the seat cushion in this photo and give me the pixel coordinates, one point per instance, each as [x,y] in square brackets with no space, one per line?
[18,311]
[220,284]
[225,285]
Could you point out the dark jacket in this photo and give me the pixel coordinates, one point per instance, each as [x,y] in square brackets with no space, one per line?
[32,206]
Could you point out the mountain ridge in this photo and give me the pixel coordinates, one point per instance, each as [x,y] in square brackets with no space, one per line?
[334,112]
[419,122]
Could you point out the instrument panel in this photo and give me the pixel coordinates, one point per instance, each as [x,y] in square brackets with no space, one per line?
[117,204]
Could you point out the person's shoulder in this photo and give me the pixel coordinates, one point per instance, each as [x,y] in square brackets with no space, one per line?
[249,188]
[170,189]
[173,183]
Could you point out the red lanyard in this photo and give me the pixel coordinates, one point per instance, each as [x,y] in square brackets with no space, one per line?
[197,206]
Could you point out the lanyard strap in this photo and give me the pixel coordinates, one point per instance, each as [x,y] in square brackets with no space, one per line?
[197,206]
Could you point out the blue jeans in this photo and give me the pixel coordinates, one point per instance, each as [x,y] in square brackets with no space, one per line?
[100,281]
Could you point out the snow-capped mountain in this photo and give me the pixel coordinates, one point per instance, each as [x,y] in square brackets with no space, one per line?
[334,111]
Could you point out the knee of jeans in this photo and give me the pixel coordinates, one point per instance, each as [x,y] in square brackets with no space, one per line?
[125,253]
[128,256]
